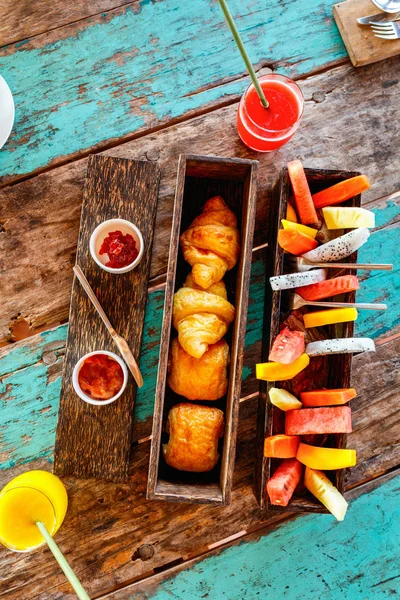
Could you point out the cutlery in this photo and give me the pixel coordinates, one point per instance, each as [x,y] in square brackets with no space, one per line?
[378,18]
[389,6]
[296,301]
[120,342]
[302,264]
[386,31]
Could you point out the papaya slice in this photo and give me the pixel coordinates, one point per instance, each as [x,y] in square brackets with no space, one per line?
[302,196]
[340,192]
[295,241]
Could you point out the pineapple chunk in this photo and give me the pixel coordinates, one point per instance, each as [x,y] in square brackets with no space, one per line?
[347,217]
[323,489]
[283,399]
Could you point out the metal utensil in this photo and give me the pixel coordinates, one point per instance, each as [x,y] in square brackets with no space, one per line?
[121,343]
[296,301]
[302,264]
[386,31]
[378,18]
[389,6]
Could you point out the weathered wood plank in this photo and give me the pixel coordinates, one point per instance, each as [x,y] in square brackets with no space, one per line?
[47,207]
[115,520]
[343,561]
[32,370]
[130,69]
[24,19]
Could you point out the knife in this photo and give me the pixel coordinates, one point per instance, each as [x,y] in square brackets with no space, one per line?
[378,18]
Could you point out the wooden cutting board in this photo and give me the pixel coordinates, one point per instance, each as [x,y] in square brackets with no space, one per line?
[361,44]
[94,441]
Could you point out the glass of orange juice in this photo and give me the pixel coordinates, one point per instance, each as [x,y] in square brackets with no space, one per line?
[31,497]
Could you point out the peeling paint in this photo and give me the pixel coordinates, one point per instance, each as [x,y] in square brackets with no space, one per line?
[159,53]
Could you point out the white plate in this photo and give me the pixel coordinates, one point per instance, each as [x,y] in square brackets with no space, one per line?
[6,112]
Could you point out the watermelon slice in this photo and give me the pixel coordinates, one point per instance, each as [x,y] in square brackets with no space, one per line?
[307,421]
[328,288]
[295,242]
[302,195]
[282,484]
[287,347]
[341,191]
[327,397]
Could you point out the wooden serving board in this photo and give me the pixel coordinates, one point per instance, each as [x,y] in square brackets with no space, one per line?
[200,178]
[331,371]
[94,441]
[361,44]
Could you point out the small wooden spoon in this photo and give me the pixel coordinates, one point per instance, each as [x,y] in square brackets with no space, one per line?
[121,343]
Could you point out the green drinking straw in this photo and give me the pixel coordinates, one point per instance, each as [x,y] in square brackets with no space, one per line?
[243,52]
[62,561]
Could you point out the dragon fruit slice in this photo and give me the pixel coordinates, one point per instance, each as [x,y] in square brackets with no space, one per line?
[294,280]
[340,346]
[340,247]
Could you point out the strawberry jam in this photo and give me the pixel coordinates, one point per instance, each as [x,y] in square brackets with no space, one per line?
[121,249]
[100,377]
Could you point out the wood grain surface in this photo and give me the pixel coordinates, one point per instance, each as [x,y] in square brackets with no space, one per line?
[333,372]
[48,206]
[110,522]
[97,81]
[199,179]
[361,44]
[94,441]
[90,85]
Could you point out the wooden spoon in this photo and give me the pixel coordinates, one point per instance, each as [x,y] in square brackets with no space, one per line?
[121,343]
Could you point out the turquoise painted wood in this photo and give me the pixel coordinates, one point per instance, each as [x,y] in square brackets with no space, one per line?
[132,68]
[29,389]
[311,558]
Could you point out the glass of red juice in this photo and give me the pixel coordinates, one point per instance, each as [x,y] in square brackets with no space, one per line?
[266,129]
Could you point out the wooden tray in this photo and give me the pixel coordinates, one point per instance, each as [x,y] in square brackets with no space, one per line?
[94,441]
[270,418]
[200,178]
[361,44]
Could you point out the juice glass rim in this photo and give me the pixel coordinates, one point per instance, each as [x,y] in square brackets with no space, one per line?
[287,81]
[28,487]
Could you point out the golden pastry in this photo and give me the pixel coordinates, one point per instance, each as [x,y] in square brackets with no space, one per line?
[202,378]
[219,288]
[211,244]
[194,431]
[200,318]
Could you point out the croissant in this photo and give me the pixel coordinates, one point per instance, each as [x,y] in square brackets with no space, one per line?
[194,432]
[211,244]
[219,288]
[202,378]
[200,318]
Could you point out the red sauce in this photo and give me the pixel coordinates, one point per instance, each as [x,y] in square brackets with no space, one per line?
[100,377]
[121,249]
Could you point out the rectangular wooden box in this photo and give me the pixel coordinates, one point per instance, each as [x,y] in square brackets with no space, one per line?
[270,418]
[200,178]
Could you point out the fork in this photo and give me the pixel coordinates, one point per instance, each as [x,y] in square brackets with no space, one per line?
[302,264]
[296,301]
[386,31]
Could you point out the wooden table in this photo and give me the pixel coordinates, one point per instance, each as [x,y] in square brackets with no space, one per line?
[149,80]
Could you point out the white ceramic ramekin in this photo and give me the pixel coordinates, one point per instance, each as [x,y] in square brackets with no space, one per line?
[102,231]
[82,394]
